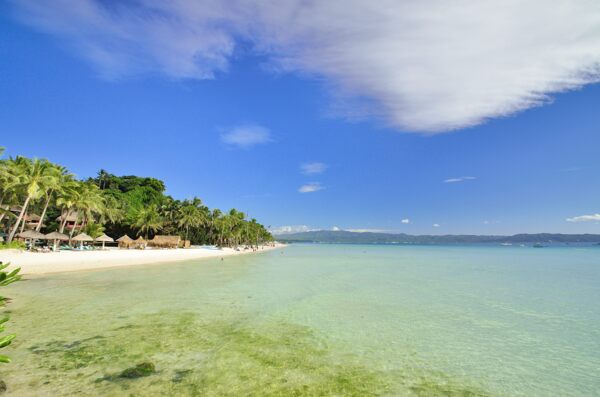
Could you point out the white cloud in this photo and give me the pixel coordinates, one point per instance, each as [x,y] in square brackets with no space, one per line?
[290,229]
[405,221]
[313,168]
[459,179]
[368,230]
[585,218]
[335,229]
[246,136]
[310,187]
[424,66]
[436,225]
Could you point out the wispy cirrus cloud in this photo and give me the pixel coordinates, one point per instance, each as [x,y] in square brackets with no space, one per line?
[246,136]
[426,66]
[585,218]
[313,168]
[459,179]
[311,187]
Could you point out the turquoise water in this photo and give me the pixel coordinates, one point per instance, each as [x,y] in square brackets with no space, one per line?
[318,320]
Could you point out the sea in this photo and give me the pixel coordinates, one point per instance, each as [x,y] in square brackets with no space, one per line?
[315,320]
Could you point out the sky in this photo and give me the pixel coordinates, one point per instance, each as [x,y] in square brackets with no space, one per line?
[423,118]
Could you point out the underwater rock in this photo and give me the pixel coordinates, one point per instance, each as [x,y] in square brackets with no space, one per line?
[140,370]
[3,387]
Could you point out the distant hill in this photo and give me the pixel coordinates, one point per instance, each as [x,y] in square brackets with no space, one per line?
[341,236]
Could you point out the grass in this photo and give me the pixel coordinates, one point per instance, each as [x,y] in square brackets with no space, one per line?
[12,245]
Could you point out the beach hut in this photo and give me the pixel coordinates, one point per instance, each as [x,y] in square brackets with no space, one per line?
[125,241]
[82,238]
[104,239]
[56,237]
[31,235]
[165,241]
[140,243]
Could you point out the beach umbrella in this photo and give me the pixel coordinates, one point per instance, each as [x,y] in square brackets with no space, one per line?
[56,236]
[32,235]
[82,237]
[105,239]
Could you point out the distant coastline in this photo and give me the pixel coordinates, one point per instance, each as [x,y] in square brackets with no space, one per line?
[346,237]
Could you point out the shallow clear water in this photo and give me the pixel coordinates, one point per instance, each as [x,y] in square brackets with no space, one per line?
[318,320]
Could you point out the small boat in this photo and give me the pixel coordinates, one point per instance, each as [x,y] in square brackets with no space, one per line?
[538,245]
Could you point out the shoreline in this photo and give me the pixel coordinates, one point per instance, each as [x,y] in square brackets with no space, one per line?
[36,263]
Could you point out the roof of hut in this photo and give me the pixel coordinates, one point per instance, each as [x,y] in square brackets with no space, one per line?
[82,237]
[73,216]
[32,234]
[124,239]
[166,239]
[105,238]
[56,236]
[32,217]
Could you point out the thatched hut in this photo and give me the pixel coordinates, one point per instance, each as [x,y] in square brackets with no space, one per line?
[125,241]
[185,244]
[165,241]
[140,243]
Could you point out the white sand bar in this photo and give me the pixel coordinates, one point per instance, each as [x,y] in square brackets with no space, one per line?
[67,261]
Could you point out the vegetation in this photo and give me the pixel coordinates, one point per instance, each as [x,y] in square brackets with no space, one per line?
[12,245]
[113,204]
[6,278]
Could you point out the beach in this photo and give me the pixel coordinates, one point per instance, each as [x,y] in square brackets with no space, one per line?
[68,261]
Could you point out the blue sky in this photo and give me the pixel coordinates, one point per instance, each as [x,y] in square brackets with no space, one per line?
[290,146]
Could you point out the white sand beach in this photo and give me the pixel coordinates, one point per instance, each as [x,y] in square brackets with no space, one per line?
[67,261]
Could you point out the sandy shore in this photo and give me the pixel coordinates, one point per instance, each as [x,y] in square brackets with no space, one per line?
[68,261]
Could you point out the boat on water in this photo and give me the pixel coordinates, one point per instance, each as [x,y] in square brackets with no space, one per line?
[538,245]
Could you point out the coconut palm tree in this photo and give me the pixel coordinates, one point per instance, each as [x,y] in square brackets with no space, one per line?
[61,178]
[147,219]
[189,216]
[33,178]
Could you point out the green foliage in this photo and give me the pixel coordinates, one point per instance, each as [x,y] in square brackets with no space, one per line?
[94,230]
[119,204]
[6,278]
[13,245]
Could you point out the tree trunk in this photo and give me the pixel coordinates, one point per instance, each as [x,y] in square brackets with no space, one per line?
[39,226]
[63,223]
[16,225]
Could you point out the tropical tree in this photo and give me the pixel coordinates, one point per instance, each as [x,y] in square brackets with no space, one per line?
[147,220]
[33,177]
[60,181]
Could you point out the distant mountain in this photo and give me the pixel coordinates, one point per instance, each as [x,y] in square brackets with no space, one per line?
[341,236]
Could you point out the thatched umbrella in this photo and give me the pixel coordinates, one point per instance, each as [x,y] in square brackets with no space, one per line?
[82,237]
[125,241]
[32,235]
[105,239]
[56,236]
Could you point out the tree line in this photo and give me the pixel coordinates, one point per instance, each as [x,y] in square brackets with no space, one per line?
[112,204]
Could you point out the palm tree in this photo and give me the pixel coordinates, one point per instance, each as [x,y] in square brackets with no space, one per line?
[67,200]
[56,184]
[189,216]
[147,219]
[34,177]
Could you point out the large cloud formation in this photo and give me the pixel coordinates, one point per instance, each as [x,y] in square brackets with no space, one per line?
[424,66]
